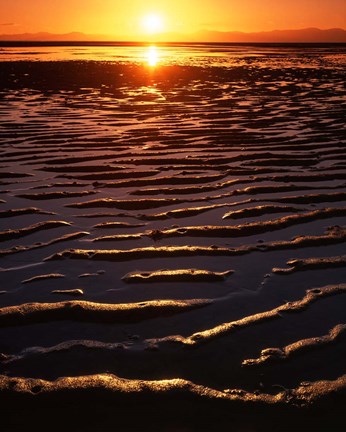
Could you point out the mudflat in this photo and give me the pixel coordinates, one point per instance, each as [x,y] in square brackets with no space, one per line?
[172,239]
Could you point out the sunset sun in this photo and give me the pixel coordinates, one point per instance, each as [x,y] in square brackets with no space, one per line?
[152,23]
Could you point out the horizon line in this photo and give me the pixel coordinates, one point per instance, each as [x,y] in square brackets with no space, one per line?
[32,42]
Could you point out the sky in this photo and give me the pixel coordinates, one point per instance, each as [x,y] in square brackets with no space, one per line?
[125,19]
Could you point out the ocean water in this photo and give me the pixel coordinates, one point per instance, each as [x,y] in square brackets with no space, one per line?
[227,55]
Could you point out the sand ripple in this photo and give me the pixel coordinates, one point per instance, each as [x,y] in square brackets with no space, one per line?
[190,171]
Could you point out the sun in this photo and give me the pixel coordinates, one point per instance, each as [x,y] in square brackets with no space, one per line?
[152,23]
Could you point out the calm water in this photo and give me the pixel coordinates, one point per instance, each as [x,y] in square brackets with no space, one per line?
[228,55]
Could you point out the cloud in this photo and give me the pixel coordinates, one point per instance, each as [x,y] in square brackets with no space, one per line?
[7,24]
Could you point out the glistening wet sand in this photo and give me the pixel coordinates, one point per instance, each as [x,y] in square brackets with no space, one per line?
[172,242]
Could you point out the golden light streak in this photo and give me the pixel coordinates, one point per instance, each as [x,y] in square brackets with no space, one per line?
[152,56]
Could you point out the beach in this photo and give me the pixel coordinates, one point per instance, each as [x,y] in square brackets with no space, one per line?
[172,228]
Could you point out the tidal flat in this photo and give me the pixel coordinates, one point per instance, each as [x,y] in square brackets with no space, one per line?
[172,237]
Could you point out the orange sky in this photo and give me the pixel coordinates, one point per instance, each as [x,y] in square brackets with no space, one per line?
[122,18]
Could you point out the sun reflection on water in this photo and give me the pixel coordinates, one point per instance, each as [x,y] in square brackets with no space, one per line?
[152,56]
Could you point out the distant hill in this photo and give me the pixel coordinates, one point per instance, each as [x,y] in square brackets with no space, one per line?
[50,37]
[276,36]
[304,35]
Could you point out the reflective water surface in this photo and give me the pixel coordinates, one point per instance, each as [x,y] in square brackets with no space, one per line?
[260,55]
[156,199]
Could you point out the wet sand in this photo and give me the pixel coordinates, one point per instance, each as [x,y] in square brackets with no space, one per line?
[172,245]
